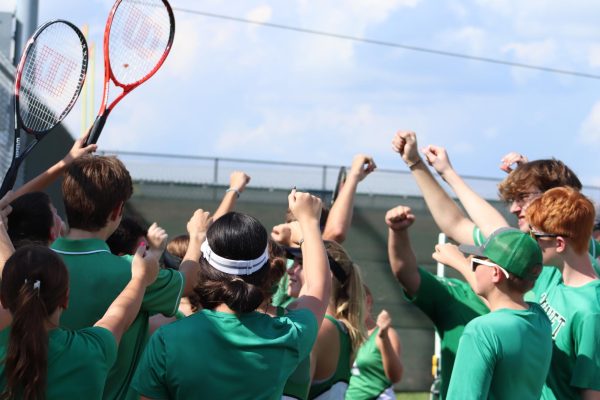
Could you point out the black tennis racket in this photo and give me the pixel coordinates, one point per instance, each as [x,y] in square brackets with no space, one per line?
[137,40]
[48,81]
[341,179]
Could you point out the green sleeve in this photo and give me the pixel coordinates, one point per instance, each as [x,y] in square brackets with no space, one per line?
[586,371]
[102,342]
[280,297]
[150,377]
[478,237]
[162,297]
[306,326]
[473,368]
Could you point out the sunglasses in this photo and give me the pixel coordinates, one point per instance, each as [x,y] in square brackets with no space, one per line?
[477,261]
[536,235]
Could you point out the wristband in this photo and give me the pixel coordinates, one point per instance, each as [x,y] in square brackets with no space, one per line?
[237,192]
[411,166]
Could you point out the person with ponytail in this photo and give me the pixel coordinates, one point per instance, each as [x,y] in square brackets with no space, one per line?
[42,360]
[378,363]
[229,349]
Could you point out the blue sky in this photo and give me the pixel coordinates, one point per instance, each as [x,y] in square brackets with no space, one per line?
[238,90]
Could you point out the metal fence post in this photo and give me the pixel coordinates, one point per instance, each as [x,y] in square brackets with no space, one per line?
[324,178]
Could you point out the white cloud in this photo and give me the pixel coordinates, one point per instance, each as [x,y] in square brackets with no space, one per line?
[261,14]
[590,128]
[542,53]
[470,38]
[594,55]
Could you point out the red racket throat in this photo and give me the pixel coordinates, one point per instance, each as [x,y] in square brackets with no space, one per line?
[137,40]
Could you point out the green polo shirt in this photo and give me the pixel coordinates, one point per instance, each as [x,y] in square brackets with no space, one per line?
[78,362]
[97,277]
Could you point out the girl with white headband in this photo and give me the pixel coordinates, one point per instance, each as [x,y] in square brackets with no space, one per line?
[228,350]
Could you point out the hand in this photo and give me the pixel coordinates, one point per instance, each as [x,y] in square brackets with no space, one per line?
[79,149]
[238,180]
[199,224]
[437,157]
[157,238]
[510,159]
[384,321]
[287,234]
[145,266]
[449,254]
[362,166]
[304,206]
[399,218]
[405,144]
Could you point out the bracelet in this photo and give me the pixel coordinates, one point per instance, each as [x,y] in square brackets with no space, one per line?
[410,166]
[237,192]
[300,242]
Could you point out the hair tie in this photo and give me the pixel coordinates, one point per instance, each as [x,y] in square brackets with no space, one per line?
[36,285]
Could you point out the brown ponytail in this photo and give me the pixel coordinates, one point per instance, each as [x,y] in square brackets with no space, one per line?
[34,284]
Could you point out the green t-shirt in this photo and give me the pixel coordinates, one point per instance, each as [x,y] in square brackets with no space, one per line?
[503,355]
[450,304]
[215,355]
[338,382]
[368,378]
[78,362]
[96,278]
[574,313]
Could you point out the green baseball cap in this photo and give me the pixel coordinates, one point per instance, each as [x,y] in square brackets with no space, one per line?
[511,249]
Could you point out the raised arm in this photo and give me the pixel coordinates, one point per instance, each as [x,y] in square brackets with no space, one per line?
[45,179]
[340,215]
[237,183]
[512,158]
[403,261]
[390,348]
[6,246]
[144,270]
[481,212]
[446,213]
[189,267]
[317,277]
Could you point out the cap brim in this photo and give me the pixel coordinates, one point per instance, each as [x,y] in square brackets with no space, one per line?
[472,250]
[292,252]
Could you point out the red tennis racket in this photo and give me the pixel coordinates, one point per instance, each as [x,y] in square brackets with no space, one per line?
[48,81]
[137,40]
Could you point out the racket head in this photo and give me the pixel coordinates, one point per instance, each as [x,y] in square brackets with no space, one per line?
[341,179]
[49,76]
[137,40]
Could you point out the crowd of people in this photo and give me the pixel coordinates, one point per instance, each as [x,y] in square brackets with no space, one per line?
[104,307]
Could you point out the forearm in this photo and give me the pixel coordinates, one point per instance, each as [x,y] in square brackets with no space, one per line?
[342,210]
[392,363]
[123,309]
[403,261]
[446,213]
[6,248]
[317,277]
[481,212]
[226,205]
[43,180]
[190,265]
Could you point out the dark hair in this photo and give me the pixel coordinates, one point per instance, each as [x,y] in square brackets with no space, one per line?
[26,363]
[31,219]
[92,188]
[235,236]
[124,239]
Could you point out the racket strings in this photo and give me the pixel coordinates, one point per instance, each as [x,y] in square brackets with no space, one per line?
[140,34]
[52,76]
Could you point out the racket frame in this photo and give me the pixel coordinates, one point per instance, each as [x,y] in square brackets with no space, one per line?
[341,179]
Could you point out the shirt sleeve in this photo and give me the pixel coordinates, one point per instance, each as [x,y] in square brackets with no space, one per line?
[586,371]
[162,297]
[478,237]
[150,378]
[306,324]
[102,342]
[473,368]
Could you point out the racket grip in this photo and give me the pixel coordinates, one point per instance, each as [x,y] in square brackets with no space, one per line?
[96,129]
[9,180]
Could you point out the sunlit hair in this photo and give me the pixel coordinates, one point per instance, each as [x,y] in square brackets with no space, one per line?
[178,245]
[541,174]
[564,211]
[35,282]
[348,298]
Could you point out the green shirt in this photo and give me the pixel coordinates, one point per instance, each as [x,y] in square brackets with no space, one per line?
[338,382]
[574,313]
[96,278]
[503,355]
[450,304]
[368,379]
[215,355]
[78,362]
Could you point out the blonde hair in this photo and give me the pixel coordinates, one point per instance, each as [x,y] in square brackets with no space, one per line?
[348,297]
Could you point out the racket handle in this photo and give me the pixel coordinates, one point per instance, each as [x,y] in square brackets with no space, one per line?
[9,179]
[96,129]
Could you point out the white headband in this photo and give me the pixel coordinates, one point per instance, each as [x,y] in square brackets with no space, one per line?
[233,267]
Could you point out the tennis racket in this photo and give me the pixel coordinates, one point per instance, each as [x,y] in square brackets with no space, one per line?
[48,81]
[341,179]
[137,40]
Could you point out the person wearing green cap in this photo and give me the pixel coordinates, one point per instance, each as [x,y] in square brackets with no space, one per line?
[504,354]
